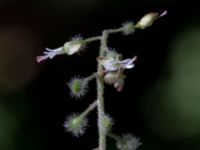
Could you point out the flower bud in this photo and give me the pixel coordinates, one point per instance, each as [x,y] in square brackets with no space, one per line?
[128,142]
[78,87]
[72,47]
[119,84]
[110,78]
[128,28]
[147,20]
[76,124]
[111,53]
[106,123]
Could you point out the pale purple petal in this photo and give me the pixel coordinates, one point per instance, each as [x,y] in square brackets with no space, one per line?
[114,65]
[163,14]
[50,53]
[41,58]
[127,63]
[110,65]
[130,66]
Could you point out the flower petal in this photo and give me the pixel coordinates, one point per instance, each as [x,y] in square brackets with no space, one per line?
[129,66]
[110,65]
[127,61]
[41,58]
[50,53]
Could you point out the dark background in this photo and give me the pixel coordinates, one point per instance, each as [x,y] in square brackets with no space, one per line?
[160,100]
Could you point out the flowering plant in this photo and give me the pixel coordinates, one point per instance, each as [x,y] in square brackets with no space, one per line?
[110,71]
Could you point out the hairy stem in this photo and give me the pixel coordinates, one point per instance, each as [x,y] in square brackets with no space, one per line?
[89,109]
[100,86]
[92,39]
[115,137]
[97,38]
[100,93]
[91,77]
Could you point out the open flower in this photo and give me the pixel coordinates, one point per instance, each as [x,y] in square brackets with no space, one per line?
[69,48]
[111,64]
[50,53]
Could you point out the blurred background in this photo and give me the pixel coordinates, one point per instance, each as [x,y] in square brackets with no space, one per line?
[160,102]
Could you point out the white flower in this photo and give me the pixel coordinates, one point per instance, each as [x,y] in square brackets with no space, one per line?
[111,64]
[72,47]
[50,53]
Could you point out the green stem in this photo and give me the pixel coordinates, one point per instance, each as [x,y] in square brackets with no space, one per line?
[89,109]
[91,77]
[97,38]
[100,93]
[92,39]
[110,31]
[115,137]
[100,86]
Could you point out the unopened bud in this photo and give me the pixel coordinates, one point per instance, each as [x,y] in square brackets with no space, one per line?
[76,124]
[128,28]
[149,19]
[110,78]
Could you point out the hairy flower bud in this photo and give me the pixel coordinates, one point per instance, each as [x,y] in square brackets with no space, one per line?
[78,87]
[128,28]
[76,124]
[128,142]
[106,123]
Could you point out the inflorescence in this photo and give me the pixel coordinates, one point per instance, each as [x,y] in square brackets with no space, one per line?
[111,67]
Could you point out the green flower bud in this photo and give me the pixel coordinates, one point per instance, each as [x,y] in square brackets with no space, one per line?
[128,142]
[106,123]
[128,28]
[78,87]
[76,124]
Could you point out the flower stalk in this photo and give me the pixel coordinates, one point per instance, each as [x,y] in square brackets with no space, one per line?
[110,70]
